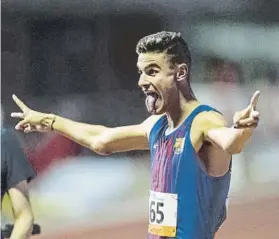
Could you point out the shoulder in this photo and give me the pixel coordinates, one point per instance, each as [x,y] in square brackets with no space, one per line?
[209,119]
[202,123]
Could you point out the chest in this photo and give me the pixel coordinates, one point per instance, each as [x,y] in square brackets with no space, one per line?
[172,145]
[173,161]
[168,151]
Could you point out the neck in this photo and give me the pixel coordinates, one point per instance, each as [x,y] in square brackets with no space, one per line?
[180,112]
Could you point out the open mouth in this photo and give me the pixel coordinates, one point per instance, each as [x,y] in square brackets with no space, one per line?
[152,94]
[151,98]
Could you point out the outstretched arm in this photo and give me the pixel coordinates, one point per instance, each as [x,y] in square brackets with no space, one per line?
[102,140]
[105,140]
[232,139]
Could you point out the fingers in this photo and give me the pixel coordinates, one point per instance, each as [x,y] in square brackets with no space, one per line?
[241,115]
[247,121]
[248,118]
[17,115]
[250,122]
[249,112]
[255,114]
[246,126]
[254,99]
[22,124]
[40,128]
[19,103]
[28,129]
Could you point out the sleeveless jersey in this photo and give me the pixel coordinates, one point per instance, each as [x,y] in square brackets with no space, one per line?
[177,170]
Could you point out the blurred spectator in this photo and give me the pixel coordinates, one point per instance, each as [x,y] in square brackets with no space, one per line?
[16,172]
[44,151]
[55,149]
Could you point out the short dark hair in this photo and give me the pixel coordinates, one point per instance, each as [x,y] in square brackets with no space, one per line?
[169,42]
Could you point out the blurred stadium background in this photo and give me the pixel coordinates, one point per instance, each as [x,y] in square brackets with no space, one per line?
[77,59]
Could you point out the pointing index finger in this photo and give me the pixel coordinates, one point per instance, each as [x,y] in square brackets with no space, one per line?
[19,103]
[254,99]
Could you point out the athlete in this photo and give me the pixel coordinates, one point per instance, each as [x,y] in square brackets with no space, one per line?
[190,143]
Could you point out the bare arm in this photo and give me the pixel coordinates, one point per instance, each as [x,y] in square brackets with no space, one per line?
[100,139]
[231,139]
[24,219]
[105,140]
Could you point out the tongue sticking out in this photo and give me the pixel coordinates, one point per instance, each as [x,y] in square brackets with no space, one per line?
[150,103]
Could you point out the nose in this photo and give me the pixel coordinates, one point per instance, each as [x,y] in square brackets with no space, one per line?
[143,83]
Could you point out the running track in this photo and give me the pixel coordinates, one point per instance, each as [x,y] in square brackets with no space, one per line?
[256,220]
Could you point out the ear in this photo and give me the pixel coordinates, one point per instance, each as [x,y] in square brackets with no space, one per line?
[182,72]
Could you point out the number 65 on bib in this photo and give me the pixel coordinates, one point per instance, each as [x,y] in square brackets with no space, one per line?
[162,214]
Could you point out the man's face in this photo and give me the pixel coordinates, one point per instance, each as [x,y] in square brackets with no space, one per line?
[158,81]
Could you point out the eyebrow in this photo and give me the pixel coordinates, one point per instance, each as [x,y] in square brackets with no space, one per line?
[150,66]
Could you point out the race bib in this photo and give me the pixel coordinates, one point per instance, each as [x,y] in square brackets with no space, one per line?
[162,214]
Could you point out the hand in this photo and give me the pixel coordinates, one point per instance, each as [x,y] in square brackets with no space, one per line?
[249,117]
[32,120]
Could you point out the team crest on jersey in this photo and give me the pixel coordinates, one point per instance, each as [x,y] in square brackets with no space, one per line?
[179,145]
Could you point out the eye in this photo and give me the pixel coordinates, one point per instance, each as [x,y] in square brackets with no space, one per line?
[152,72]
[139,72]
